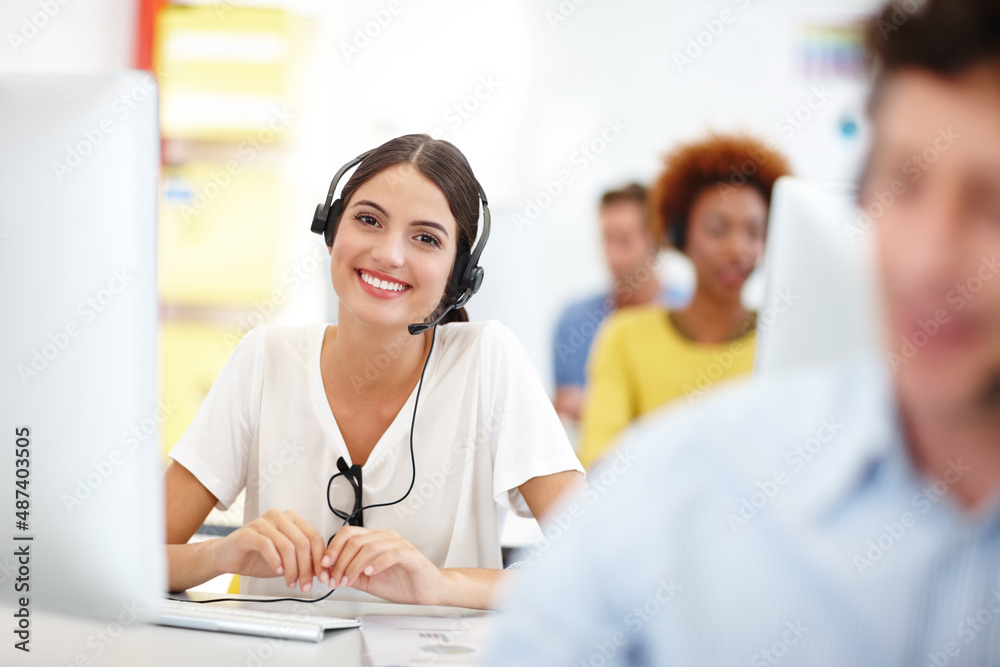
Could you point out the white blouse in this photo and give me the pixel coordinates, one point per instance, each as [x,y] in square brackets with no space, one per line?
[484,426]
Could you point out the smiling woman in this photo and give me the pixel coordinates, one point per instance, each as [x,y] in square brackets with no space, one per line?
[485,438]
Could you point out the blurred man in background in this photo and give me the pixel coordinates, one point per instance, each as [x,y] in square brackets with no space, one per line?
[839,516]
[630,251]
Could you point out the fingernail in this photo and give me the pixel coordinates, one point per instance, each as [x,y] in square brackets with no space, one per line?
[369,570]
[291,584]
[343,581]
[324,577]
[280,569]
[307,586]
[325,562]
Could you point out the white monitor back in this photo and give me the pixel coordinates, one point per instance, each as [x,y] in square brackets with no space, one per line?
[78,302]
[821,302]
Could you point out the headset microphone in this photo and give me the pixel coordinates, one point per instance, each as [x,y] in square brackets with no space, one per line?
[415,329]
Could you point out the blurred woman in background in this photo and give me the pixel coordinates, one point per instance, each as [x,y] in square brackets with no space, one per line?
[710,203]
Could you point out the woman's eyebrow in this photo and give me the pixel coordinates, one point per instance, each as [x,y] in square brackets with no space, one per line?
[366,202]
[428,223]
[415,223]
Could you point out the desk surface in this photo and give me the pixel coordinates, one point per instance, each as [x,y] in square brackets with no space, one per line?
[60,641]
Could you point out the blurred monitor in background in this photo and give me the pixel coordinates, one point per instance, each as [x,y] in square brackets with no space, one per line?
[711,204]
[630,251]
[820,293]
[78,196]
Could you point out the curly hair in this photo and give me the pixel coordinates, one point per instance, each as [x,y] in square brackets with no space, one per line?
[719,160]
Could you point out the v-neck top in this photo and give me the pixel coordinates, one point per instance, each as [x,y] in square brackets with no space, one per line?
[329,420]
[484,426]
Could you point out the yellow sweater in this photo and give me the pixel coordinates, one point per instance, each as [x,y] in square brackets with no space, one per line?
[639,362]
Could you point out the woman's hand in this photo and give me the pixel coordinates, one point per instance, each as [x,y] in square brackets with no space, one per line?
[277,543]
[384,564]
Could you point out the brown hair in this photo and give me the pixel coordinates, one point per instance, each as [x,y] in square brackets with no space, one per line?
[947,37]
[633,192]
[719,160]
[445,166]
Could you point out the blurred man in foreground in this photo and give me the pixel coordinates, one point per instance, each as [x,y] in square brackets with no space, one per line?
[840,517]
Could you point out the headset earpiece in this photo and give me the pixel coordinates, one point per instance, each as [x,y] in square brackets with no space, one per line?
[457,285]
[678,233]
[328,213]
[333,219]
[319,220]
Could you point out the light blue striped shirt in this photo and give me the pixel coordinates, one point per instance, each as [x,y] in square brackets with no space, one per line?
[780,522]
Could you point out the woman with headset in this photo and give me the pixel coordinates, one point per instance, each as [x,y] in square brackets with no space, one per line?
[347,482]
[710,203]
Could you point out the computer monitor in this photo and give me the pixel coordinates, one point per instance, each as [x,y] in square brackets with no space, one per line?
[821,299]
[81,490]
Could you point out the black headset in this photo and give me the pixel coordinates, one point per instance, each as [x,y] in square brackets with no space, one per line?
[677,234]
[466,277]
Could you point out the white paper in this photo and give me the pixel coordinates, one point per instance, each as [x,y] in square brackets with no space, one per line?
[400,641]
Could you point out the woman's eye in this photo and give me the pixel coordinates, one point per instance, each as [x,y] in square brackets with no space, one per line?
[366,219]
[427,238]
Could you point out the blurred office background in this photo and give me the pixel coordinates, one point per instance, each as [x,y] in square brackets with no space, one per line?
[552,101]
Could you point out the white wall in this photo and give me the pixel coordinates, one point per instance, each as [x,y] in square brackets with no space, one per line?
[552,87]
[67,35]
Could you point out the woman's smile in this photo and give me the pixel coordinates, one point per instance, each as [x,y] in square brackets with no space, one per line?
[381,285]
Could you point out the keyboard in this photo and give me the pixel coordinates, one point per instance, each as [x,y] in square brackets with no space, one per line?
[240,620]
